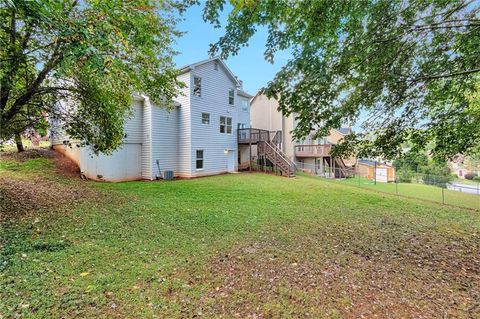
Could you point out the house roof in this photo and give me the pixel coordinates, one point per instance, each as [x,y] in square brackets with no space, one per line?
[192,66]
[344,130]
[141,97]
[372,163]
[255,96]
[244,94]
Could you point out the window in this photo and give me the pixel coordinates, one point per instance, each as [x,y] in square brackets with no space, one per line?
[215,66]
[225,124]
[199,159]
[231,96]
[245,105]
[197,86]
[229,125]
[205,118]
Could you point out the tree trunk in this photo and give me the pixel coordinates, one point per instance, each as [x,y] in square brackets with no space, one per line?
[18,141]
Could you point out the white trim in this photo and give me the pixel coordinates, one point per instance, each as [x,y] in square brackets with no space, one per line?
[194,65]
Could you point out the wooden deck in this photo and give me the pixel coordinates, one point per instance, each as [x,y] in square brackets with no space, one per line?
[253,135]
[317,150]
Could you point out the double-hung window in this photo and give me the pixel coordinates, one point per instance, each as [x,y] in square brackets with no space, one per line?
[199,159]
[225,124]
[245,105]
[197,86]
[231,96]
[205,118]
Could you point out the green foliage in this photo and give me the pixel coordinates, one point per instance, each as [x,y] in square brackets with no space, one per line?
[413,160]
[404,175]
[404,70]
[92,55]
[437,174]
[477,179]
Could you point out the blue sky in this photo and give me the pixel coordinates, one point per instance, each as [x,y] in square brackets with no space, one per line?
[249,65]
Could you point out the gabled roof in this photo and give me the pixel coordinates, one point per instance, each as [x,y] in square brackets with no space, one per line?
[372,163]
[244,94]
[344,130]
[192,66]
[255,96]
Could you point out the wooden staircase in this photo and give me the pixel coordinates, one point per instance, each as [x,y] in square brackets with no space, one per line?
[271,152]
[343,170]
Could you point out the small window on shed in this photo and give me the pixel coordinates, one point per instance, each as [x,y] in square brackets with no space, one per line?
[215,66]
[197,86]
[231,96]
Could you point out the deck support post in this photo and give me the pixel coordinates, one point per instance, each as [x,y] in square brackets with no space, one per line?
[250,156]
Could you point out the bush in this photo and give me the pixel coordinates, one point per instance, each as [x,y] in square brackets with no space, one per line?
[470,176]
[436,174]
[477,179]
[405,175]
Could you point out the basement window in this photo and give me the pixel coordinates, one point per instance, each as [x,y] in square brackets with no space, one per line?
[199,159]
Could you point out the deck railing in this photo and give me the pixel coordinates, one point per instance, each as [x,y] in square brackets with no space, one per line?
[253,135]
[313,150]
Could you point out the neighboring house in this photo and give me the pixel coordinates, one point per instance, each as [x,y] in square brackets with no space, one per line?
[198,137]
[375,171]
[311,155]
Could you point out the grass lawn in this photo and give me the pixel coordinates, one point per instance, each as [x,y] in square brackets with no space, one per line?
[27,144]
[421,191]
[237,245]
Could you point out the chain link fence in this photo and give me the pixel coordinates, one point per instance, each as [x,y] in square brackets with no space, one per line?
[435,188]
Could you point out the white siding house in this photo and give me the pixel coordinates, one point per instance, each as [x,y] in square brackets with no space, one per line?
[197,137]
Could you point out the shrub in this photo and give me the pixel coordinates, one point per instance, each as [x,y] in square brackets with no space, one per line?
[436,174]
[477,179]
[405,175]
[470,175]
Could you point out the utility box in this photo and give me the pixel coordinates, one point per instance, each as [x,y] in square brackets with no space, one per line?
[168,175]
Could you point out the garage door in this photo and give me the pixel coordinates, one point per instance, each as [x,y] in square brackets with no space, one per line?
[122,165]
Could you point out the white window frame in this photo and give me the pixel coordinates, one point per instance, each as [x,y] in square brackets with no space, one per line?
[227,128]
[208,118]
[199,159]
[195,86]
[244,105]
[232,103]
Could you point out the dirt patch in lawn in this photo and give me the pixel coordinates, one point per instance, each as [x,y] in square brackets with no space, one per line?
[59,189]
[336,274]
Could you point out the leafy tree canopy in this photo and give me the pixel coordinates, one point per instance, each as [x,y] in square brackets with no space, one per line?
[91,54]
[404,70]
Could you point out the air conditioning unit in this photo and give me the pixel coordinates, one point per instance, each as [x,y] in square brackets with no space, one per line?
[168,175]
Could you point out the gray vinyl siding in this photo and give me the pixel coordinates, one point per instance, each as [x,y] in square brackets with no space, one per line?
[57,135]
[165,129]
[133,127]
[146,140]
[184,127]
[243,116]
[213,100]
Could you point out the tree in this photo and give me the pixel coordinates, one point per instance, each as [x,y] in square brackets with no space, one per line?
[92,55]
[402,69]
[412,160]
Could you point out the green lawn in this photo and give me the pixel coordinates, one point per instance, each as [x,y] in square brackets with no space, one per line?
[238,245]
[27,144]
[421,191]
